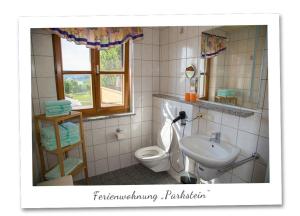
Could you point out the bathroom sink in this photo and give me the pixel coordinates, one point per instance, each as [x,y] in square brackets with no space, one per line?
[208,153]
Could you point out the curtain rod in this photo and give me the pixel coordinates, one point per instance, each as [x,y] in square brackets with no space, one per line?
[214,35]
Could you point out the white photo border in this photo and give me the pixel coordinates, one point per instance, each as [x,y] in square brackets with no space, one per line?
[215,194]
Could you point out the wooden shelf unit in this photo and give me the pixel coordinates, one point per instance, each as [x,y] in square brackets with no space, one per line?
[61,152]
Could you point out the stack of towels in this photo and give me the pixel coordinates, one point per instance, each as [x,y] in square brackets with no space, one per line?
[57,108]
[69,134]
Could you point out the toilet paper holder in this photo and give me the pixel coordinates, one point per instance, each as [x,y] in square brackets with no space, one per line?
[120,134]
[118,130]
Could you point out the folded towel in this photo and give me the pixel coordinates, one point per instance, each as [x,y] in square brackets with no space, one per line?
[69,134]
[57,102]
[51,145]
[58,108]
[69,165]
[64,129]
[57,114]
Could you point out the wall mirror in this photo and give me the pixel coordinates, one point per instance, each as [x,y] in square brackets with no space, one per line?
[190,71]
[236,74]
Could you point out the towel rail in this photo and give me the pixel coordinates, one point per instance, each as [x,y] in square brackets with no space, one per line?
[254,156]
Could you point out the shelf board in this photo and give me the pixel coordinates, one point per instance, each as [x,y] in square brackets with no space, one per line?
[64,149]
[72,166]
[73,114]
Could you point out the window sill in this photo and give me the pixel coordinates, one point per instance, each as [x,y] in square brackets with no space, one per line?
[109,116]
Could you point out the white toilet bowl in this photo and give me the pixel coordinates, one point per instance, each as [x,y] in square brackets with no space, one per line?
[156,157]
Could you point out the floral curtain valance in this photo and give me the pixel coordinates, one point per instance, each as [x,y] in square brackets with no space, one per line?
[99,37]
[212,45]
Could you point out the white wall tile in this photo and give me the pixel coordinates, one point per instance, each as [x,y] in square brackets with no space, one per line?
[146,68]
[244,171]
[88,137]
[155,53]
[90,153]
[263,150]
[136,143]
[97,124]
[192,48]
[113,149]
[125,160]
[34,88]
[146,113]
[212,127]
[147,39]
[146,99]
[46,87]
[124,120]
[100,152]
[44,66]
[264,127]
[137,51]
[155,85]
[146,84]
[111,122]
[146,127]
[42,45]
[137,84]
[136,129]
[114,163]
[147,52]
[137,67]
[247,142]
[125,146]
[164,36]
[229,134]
[250,124]
[137,100]
[91,169]
[101,166]
[214,116]
[98,136]
[230,120]
[155,34]
[138,116]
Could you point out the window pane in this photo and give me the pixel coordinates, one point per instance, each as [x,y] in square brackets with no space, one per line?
[111,59]
[112,90]
[78,90]
[75,57]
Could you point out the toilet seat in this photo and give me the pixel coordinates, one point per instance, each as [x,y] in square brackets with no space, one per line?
[150,153]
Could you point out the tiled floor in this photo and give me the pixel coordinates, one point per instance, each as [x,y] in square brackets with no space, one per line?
[133,175]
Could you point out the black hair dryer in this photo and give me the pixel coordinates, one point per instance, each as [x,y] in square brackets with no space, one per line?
[182,117]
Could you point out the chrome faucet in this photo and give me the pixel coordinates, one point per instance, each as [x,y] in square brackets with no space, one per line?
[215,137]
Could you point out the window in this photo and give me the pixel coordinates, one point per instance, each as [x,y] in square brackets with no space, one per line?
[95,81]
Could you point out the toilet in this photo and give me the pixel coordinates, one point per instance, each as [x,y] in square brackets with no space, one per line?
[156,157]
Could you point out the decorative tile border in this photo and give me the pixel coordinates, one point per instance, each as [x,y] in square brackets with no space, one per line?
[237,111]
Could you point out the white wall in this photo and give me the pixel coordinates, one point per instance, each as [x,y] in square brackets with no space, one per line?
[180,47]
[104,152]
[158,63]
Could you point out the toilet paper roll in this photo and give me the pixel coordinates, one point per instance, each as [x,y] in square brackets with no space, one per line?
[120,136]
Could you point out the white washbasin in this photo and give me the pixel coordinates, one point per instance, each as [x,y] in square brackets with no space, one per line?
[208,153]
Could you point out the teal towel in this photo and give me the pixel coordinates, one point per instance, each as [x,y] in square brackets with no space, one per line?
[50,145]
[69,165]
[69,134]
[64,129]
[57,114]
[57,103]
[58,109]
